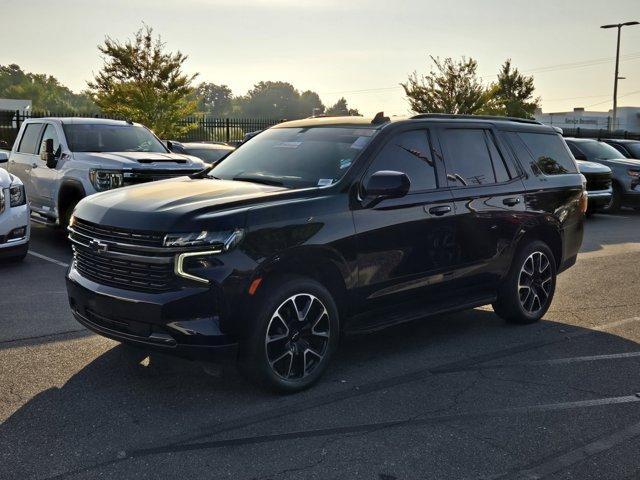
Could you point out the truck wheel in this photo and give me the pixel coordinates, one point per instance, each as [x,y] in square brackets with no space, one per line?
[526,293]
[616,201]
[295,333]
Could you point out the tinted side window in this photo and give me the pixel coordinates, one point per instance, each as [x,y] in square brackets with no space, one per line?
[50,133]
[29,141]
[409,153]
[499,166]
[468,156]
[549,153]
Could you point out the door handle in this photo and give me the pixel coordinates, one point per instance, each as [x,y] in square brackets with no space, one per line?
[440,210]
[511,202]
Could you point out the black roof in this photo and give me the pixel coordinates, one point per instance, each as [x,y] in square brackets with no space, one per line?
[620,140]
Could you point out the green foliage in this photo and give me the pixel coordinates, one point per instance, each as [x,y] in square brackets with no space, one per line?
[45,92]
[214,100]
[512,94]
[454,87]
[278,100]
[340,108]
[142,82]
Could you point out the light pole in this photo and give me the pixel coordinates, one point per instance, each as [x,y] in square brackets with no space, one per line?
[616,78]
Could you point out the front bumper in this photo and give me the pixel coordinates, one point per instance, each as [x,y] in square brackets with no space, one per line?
[10,219]
[183,322]
[631,198]
[599,198]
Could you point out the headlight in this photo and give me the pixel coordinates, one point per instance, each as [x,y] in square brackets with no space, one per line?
[17,196]
[105,179]
[225,239]
[634,173]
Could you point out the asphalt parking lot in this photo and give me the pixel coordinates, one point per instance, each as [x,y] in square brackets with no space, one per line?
[461,396]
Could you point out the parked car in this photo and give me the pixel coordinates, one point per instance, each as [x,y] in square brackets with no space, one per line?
[626,172]
[62,160]
[325,226]
[628,148]
[209,153]
[14,215]
[599,179]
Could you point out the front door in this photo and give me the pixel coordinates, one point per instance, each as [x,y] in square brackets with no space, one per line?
[406,246]
[24,160]
[43,178]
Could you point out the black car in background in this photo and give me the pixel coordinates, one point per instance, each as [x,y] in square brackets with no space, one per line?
[208,152]
[628,148]
[328,226]
[626,171]
[599,180]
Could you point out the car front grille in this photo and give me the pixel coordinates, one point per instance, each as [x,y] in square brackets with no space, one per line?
[121,273]
[113,234]
[596,182]
[137,177]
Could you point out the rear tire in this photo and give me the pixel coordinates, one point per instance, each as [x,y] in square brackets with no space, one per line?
[527,292]
[294,335]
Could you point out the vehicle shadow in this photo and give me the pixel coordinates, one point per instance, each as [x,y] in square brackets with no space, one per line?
[604,230]
[115,404]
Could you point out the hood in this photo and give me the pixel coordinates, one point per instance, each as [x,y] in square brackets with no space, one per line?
[6,179]
[179,204]
[624,162]
[592,167]
[137,160]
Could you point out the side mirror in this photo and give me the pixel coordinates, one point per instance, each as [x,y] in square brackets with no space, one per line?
[4,157]
[47,154]
[387,184]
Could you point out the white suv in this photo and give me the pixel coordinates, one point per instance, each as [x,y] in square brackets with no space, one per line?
[63,160]
[14,215]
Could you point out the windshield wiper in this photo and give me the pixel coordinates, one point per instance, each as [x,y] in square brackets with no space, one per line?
[257,179]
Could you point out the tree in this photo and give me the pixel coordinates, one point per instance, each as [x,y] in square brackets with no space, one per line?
[45,92]
[214,99]
[271,99]
[310,104]
[512,94]
[140,81]
[340,108]
[453,87]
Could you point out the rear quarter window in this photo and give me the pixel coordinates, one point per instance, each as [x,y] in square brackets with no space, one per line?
[543,152]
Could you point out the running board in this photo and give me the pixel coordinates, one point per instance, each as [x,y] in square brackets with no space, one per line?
[381,319]
[42,220]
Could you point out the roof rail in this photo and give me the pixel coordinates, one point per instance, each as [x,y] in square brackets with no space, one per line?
[476,117]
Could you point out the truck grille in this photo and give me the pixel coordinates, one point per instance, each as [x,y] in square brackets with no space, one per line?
[131,237]
[136,177]
[600,181]
[116,272]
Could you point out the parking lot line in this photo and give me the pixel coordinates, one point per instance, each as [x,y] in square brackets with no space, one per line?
[48,259]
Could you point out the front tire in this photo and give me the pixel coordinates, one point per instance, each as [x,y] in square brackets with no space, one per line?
[527,291]
[294,336]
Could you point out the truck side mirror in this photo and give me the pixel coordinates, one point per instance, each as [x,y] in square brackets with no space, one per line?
[47,153]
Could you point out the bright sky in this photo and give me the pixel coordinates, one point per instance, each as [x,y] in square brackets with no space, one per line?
[360,49]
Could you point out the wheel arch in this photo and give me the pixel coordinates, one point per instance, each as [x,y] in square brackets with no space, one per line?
[547,232]
[71,192]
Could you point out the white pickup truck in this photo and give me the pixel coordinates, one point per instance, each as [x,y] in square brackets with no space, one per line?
[62,160]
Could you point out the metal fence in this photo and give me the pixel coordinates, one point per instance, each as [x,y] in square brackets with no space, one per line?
[201,128]
[599,133]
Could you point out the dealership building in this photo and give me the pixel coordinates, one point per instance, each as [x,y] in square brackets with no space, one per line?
[628,119]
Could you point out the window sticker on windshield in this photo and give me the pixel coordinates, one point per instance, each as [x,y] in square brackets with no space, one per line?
[323,182]
[345,163]
[288,145]
[360,143]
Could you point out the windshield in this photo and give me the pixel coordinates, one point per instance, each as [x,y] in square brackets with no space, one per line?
[94,137]
[634,148]
[209,155]
[599,151]
[296,157]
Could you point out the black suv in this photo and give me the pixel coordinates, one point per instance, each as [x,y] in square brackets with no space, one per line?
[326,226]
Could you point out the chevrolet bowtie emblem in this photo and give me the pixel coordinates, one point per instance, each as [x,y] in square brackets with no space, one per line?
[98,247]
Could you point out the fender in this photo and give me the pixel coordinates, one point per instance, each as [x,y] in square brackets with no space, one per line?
[69,185]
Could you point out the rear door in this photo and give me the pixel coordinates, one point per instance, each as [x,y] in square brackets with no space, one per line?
[488,194]
[405,245]
[24,159]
